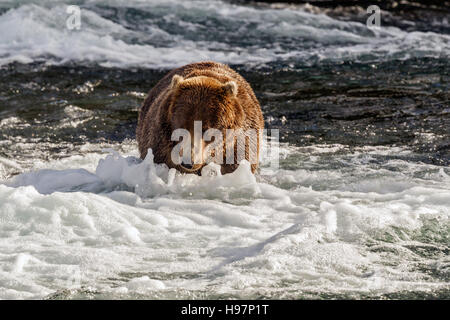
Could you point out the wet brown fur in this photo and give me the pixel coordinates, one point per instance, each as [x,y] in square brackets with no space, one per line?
[204,92]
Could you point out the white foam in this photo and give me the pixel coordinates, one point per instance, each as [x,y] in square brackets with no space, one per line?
[98,217]
[34,32]
[144,284]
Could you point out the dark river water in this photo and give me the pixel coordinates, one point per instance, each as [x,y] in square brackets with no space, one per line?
[359,207]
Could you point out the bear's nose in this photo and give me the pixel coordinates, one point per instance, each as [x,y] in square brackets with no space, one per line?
[186,165]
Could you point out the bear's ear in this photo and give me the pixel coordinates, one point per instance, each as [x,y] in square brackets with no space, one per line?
[231,88]
[176,80]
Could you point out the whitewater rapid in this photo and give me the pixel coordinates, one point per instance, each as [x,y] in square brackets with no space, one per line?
[168,34]
[112,225]
[359,207]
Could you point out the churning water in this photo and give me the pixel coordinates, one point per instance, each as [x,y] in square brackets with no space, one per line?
[359,206]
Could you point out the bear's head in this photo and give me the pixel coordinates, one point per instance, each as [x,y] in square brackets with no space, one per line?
[206,100]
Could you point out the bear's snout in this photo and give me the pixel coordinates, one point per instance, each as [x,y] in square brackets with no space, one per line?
[189,168]
[186,165]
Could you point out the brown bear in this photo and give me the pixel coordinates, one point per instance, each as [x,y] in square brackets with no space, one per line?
[209,92]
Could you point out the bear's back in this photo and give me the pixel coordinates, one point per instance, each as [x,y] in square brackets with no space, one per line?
[212,69]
